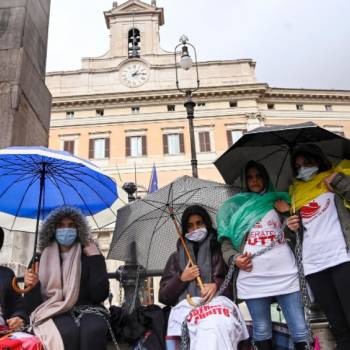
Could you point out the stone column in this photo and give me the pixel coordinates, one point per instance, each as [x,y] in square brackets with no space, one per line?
[25,101]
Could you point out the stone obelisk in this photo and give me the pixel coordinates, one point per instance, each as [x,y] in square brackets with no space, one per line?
[25,101]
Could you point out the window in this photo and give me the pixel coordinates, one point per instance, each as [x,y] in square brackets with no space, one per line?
[233,136]
[204,141]
[135,146]
[99,148]
[173,143]
[233,104]
[201,104]
[100,112]
[134,43]
[270,106]
[69,114]
[300,107]
[171,108]
[328,108]
[68,146]
[135,109]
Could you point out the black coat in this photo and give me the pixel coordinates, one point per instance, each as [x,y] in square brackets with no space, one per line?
[11,303]
[94,284]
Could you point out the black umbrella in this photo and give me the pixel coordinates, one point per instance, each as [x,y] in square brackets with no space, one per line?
[272,146]
[147,226]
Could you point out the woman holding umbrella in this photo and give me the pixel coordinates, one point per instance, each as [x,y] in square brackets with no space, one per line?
[179,279]
[321,194]
[250,229]
[66,301]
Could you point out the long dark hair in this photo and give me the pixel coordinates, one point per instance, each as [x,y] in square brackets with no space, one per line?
[261,170]
[311,152]
[196,210]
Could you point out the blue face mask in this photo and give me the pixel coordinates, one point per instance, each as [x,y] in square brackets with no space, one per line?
[307,173]
[66,236]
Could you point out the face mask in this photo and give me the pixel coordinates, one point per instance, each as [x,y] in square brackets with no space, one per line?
[306,173]
[197,235]
[66,236]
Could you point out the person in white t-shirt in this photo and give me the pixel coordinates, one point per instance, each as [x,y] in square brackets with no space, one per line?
[251,233]
[321,195]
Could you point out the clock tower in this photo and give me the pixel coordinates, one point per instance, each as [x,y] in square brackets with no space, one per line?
[134,29]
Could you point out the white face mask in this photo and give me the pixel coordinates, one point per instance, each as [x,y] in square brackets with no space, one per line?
[198,235]
[306,173]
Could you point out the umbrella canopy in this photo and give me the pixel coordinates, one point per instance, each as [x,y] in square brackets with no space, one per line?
[272,146]
[36,180]
[147,226]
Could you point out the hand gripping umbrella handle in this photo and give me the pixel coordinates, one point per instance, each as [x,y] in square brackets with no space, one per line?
[28,288]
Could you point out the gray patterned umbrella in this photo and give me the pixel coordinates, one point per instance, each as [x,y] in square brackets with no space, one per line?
[146,224]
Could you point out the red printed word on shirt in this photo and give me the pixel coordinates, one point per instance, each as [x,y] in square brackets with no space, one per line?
[207,310]
[264,235]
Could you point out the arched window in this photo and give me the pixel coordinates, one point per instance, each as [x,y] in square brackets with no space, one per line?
[134,43]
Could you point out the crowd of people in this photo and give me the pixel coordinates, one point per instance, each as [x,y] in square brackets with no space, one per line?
[255,239]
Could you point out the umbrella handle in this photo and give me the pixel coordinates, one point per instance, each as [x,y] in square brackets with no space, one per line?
[191,302]
[27,289]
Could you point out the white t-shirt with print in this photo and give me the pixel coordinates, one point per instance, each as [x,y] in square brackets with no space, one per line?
[274,272]
[217,325]
[323,243]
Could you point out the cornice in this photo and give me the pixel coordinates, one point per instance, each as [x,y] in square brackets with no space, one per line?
[149,117]
[145,58]
[155,96]
[283,94]
[210,114]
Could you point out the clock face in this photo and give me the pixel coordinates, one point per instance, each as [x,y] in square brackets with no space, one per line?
[134,74]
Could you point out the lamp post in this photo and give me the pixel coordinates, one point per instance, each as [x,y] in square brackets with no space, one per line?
[186,63]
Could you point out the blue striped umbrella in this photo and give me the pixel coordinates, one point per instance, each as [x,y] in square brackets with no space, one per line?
[36,180]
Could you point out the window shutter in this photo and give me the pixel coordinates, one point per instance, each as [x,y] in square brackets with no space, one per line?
[182,144]
[201,142]
[229,137]
[165,144]
[204,141]
[91,148]
[144,145]
[107,147]
[68,146]
[207,141]
[127,146]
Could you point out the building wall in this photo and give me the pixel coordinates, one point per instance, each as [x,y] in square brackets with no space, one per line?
[229,98]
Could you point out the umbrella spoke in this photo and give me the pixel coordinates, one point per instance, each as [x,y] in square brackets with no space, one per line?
[59,171]
[281,167]
[83,200]
[34,179]
[24,178]
[154,233]
[92,189]
[54,182]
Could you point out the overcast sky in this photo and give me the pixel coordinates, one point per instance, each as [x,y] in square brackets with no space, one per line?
[296,43]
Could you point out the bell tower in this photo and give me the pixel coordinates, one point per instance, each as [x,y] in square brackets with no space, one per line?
[134,29]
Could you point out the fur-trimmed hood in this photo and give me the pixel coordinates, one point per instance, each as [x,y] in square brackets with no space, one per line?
[48,228]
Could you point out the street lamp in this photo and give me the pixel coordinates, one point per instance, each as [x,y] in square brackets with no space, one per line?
[186,63]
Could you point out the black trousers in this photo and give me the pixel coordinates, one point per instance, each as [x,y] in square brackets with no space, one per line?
[91,335]
[331,289]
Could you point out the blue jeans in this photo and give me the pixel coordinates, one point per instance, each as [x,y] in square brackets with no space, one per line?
[293,311]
